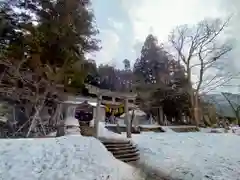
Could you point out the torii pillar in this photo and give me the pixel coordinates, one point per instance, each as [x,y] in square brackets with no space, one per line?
[97,117]
[127,119]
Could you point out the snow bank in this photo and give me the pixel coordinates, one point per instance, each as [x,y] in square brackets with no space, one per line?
[104,132]
[3,119]
[149,126]
[70,158]
[191,156]
[205,130]
[71,121]
[52,134]
[235,130]
[167,129]
[220,130]
[74,126]
[136,112]
[212,130]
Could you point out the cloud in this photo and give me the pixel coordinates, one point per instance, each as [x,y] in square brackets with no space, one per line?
[233,7]
[109,43]
[115,24]
[161,16]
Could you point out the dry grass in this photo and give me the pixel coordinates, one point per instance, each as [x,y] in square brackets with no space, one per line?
[87,131]
[185,129]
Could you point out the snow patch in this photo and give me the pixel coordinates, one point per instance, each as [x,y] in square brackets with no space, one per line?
[71,158]
[149,126]
[72,126]
[235,130]
[73,131]
[3,119]
[72,121]
[137,112]
[191,156]
[104,132]
[167,129]
[52,134]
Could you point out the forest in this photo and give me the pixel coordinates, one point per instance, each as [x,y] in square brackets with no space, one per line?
[43,47]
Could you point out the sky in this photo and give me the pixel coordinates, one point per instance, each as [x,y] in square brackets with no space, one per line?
[124,25]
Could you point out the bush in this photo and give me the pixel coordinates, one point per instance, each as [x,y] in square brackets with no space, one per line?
[4,109]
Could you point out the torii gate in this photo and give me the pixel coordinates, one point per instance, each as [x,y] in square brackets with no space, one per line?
[124,96]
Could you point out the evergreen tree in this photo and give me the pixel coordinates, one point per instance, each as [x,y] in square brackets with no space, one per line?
[108,77]
[161,81]
[127,65]
[41,42]
[57,37]
[152,66]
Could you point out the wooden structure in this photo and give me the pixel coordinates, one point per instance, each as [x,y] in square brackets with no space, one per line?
[113,99]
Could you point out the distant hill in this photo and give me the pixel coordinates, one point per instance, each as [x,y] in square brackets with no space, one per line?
[222,105]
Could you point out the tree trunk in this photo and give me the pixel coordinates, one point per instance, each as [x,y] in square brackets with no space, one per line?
[196,110]
[132,118]
[160,115]
[193,113]
[60,129]
[36,118]
[194,105]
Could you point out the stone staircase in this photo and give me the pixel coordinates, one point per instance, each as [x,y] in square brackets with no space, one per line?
[122,149]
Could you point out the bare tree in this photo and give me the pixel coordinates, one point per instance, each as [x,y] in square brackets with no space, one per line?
[199,47]
[234,105]
[31,91]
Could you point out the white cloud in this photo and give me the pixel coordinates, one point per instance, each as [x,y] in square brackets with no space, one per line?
[161,16]
[109,49]
[233,7]
[115,24]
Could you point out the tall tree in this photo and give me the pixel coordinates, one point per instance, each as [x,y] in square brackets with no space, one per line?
[151,72]
[152,65]
[107,76]
[125,80]
[64,32]
[127,65]
[199,46]
[42,41]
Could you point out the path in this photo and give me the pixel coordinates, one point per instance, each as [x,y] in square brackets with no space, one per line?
[151,174]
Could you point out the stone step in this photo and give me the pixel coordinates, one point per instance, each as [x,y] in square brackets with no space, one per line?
[127,155]
[121,149]
[124,151]
[117,145]
[127,160]
[116,142]
[113,149]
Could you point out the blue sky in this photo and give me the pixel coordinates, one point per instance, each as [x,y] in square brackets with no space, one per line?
[124,24]
[115,29]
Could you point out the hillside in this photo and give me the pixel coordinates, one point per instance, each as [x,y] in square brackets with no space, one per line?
[223,107]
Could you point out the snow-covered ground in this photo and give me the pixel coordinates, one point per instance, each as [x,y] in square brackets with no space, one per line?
[65,158]
[187,156]
[104,132]
[191,156]
[167,129]
[235,130]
